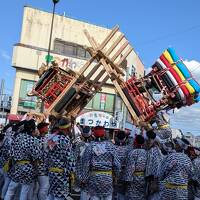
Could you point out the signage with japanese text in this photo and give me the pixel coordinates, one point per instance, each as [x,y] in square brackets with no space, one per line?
[102,101]
[97,118]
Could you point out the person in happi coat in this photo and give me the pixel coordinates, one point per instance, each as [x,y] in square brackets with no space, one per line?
[24,152]
[5,147]
[100,164]
[42,170]
[52,122]
[163,129]
[122,150]
[174,174]
[60,160]
[194,182]
[79,151]
[154,158]
[129,138]
[10,132]
[196,178]
[1,161]
[135,171]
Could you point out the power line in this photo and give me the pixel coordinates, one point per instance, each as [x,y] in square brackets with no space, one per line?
[171,35]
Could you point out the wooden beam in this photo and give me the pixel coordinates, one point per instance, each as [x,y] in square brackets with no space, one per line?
[105,80]
[120,51]
[117,86]
[91,51]
[86,65]
[128,105]
[114,45]
[109,37]
[99,76]
[116,67]
[91,40]
[108,68]
[94,69]
[125,55]
[94,43]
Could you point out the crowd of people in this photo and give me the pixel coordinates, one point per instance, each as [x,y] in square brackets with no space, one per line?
[47,161]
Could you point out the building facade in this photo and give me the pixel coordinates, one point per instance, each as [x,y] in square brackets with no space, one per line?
[68,40]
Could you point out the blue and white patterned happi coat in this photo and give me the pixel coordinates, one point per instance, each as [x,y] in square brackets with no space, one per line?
[122,152]
[136,162]
[175,169]
[4,152]
[24,148]
[153,162]
[164,133]
[60,156]
[79,151]
[100,156]
[42,168]
[5,149]
[196,177]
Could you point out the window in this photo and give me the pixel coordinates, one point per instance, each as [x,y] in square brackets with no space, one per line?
[59,48]
[87,55]
[24,100]
[70,49]
[133,71]
[102,102]
[96,102]
[81,52]
[109,103]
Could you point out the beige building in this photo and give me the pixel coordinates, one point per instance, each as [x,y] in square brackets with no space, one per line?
[67,44]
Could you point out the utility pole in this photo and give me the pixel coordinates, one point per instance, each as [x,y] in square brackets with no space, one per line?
[2,87]
[2,98]
[48,57]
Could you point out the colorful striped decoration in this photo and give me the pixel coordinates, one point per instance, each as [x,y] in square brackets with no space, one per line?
[177,73]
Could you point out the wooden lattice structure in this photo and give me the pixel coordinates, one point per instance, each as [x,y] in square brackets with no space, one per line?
[67,92]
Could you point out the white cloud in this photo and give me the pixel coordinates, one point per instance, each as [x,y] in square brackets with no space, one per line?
[147,70]
[194,67]
[5,55]
[187,119]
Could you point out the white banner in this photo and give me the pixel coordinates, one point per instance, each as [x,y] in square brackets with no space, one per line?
[96,118]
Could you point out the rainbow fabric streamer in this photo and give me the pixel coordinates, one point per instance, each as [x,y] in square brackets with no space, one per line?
[178,76]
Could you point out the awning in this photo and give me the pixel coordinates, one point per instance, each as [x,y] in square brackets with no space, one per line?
[13,117]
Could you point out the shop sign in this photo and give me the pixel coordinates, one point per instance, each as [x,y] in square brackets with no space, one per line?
[96,118]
